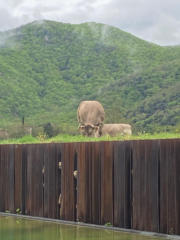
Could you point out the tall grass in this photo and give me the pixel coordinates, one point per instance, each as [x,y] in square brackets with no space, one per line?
[69,138]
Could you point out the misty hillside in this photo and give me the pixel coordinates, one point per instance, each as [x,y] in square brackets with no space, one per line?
[47,68]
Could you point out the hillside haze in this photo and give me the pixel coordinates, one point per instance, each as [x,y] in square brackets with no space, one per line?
[47,68]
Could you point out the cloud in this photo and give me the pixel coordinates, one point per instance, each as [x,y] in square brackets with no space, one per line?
[152,20]
[167,30]
[7,21]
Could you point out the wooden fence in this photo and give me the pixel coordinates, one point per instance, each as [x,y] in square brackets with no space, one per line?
[130,184]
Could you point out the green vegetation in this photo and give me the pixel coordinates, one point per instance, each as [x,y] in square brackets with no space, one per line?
[47,68]
[70,138]
[18,211]
[108,224]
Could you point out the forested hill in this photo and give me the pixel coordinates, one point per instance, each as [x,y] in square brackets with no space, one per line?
[47,68]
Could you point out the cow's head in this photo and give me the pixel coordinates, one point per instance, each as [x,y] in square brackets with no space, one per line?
[88,130]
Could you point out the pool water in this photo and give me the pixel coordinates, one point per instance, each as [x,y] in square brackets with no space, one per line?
[13,228]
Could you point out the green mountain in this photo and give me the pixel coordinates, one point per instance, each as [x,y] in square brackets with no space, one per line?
[47,68]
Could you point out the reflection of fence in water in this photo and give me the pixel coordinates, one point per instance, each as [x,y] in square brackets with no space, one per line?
[131,184]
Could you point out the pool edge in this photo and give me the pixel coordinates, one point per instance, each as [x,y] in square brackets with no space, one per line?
[102,227]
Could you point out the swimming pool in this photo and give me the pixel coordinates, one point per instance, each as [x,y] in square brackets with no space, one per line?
[16,228]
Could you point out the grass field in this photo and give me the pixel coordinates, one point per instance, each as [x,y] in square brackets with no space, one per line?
[69,138]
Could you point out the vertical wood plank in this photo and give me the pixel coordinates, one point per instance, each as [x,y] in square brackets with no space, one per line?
[142,186]
[81,183]
[24,178]
[1,198]
[75,179]
[170,156]
[163,187]
[50,168]
[155,185]
[18,177]
[28,183]
[152,205]
[4,178]
[88,189]
[63,181]
[11,177]
[7,162]
[96,182]
[31,179]
[136,187]
[128,200]
[39,181]
[58,176]
[119,184]
[177,209]
[84,183]
[68,179]
[45,181]
[54,171]
[69,182]
[51,179]
[106,183]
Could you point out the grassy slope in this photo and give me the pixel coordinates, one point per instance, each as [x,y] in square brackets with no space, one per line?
[48,68]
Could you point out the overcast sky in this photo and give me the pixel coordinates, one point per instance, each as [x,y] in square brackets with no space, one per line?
[156,21]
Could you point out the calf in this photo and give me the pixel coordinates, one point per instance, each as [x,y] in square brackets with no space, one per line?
[116,129]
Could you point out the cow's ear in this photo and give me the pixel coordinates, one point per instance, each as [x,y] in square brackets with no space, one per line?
[81,128]
[96,128]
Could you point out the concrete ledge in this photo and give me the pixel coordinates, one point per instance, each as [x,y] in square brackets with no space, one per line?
[100,227]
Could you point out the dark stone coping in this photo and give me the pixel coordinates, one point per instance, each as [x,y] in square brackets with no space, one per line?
[101,227]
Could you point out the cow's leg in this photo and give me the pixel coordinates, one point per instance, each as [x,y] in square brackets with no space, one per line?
[100,129]
[59,201]
[75,174]
[59,165]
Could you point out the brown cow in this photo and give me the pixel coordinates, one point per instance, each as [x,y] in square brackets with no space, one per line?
[90,116]
[116,129]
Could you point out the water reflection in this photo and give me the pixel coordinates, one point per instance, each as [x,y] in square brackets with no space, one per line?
[23,229]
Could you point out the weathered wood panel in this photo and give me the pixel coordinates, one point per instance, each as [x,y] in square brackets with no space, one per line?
[50,181]
[131,184]
[177,179]
[31,181]
[171,174]
[169,186]
[152,204]
[58,148]
[163,187]
[84,182]
[122,184]
[39,181]
[128,186]
[10,177]
[135,186]
[142,213]
[68,201]
[4,166]
[18,181]
[145,185]
[96,182]
[1,193]
[107,182]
